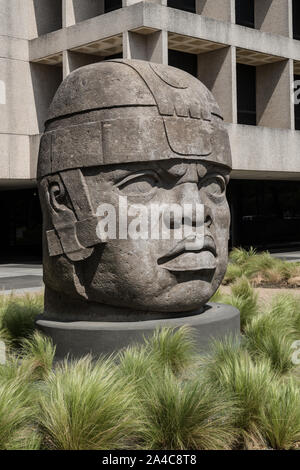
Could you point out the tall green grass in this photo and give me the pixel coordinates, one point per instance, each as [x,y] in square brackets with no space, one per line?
[17,316]
[280,418]
[172,348]
[185,415]
[17,416]
[161,394]
[260,268]
[87,406]
[231,368]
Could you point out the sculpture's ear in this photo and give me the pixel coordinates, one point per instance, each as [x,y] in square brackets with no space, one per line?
[63,238]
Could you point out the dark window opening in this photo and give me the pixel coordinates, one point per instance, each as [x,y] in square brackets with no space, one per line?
[48,16]
[185,5]
[110,5]
[246,94]
[297,106]
[184,61]
[245,13]
[114,56]
[21,228]
[265,214]
[296,19]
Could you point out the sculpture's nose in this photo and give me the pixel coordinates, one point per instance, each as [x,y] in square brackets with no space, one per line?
[194,212]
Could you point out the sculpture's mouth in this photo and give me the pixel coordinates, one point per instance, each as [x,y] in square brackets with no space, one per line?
[191,254]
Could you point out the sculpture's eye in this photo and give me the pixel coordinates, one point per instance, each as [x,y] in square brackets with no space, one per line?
[139,184]
[214,186]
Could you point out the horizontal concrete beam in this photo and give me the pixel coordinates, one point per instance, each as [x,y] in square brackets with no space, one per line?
[264,152]
[85,32]
[162,18]
[198,26]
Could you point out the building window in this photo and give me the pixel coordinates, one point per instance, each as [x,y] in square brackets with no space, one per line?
[296,19]
[48,16]
[297,107]
[264,214]
[186,5]
[21,233]
[245,13]
[110,5]
[184,61]
[246,94]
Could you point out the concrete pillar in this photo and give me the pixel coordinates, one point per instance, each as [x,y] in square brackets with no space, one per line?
[292,106]
[273,16]
[273,90]
[75,11]
[290,14]
[74,60]
[152,47]
[217,70]
[222,10]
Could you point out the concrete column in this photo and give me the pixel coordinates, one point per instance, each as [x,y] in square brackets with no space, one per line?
[273,16]
[292,106]
[74,60]
[152,47]
[222,10]
[273,95]
[68,16]
[217,70]
[290,14]
[75,11]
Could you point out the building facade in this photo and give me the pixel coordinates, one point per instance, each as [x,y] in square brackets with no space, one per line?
[247,52]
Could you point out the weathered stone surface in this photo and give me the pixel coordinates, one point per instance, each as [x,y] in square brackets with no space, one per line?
[152,134]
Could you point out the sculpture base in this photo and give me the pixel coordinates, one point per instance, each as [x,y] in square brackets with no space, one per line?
[77,339]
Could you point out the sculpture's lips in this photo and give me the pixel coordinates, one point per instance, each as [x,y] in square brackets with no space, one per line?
[191,254]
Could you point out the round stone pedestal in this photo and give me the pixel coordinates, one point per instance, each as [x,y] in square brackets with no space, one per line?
[77,339]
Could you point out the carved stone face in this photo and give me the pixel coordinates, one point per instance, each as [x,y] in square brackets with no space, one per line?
[160,141]
[142,274]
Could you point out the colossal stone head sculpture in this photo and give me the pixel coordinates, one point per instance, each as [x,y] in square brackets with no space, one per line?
[147,134]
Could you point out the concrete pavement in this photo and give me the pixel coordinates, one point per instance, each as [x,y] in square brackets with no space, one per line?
[21,278]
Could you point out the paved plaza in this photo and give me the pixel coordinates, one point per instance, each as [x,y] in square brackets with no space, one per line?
[21,278]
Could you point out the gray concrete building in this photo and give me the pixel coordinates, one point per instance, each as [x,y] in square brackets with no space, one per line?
[246,51]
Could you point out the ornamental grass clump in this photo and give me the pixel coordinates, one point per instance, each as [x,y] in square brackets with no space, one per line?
[87,406]
[271,334]
[172,348]
[281,415]
[135,363]
[244,298]
[18,317]
[260,268]
[231,369]
[18,429]
[180,415]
